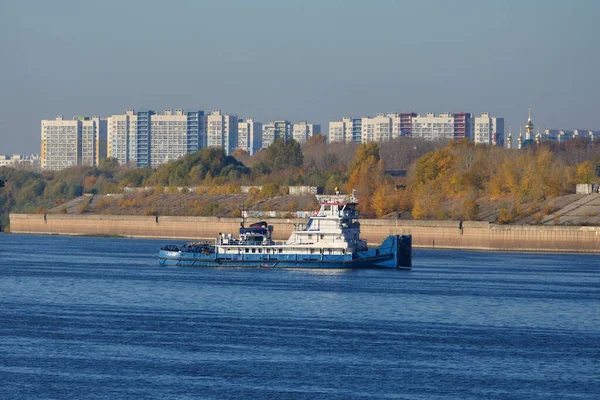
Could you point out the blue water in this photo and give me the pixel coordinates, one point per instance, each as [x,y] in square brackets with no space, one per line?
[99,319]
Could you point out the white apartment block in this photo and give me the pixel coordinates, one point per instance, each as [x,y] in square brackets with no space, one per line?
[303,130]
[268,134]
[347,130]
[432,127]
[249,135]
[221,131]
[148,139]
[93,140]
[20,160]
[120,132]
[489,130]
[380,128]
[168,138]
[562,135]
[69,143]
[337,130]
[275,130]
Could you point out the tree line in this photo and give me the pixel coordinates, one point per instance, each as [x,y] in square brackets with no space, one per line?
[443,179]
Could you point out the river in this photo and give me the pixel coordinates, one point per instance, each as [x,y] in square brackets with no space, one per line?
[98,318]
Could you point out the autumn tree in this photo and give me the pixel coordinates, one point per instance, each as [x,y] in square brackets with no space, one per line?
[586,172]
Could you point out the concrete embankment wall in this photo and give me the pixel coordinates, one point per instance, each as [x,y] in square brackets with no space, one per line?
[426,234]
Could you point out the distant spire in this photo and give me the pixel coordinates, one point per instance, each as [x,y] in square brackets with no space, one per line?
[529,127]
[520,139]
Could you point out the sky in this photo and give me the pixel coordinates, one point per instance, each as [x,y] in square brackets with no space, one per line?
[298,60]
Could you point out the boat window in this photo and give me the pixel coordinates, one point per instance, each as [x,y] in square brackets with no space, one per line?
[260,250]
[254,250]
[246,250]
[280,250]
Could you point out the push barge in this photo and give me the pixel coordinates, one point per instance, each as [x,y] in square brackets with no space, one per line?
[330,239]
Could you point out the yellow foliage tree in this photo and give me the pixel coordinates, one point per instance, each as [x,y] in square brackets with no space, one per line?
[384,200]
[586,172]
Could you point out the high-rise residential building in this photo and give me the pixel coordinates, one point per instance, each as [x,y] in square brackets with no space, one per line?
[174,134]
[268,134]
[382,127]
[69,143]
[140,142]
[488,130]
[395,125]
[443,126]
[283,129]
[249,135]
[221,131]
[432,127]
[93,140]
[21,161]
[302,131]
[463,125]
[339,129]
[406,123]
[347,130]
[120,137]
[562,135]
[275,130]
[145,138]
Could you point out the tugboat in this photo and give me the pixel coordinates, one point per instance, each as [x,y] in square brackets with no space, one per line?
[330,239]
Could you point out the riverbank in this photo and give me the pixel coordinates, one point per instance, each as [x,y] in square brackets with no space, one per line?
[466,235]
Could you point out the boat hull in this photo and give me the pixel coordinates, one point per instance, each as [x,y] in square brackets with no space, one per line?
[394,252]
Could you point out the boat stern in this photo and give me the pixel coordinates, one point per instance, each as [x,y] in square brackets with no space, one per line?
[395,252]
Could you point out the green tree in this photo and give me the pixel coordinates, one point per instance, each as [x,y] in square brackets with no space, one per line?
[283,154]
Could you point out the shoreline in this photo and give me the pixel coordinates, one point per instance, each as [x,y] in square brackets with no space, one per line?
[451,235]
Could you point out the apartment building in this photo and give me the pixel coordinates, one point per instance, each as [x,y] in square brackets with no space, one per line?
[380,128]
[275,130]
[69,143]
[21,161]
[406,123]
[442,126]
[249,136]
[562,135]
[120,132]
[221,131]
[347,130]
[145,138]
[174,134]
[488,130]
[302,131]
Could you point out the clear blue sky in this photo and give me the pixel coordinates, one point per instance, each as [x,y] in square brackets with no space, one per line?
[298,60]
